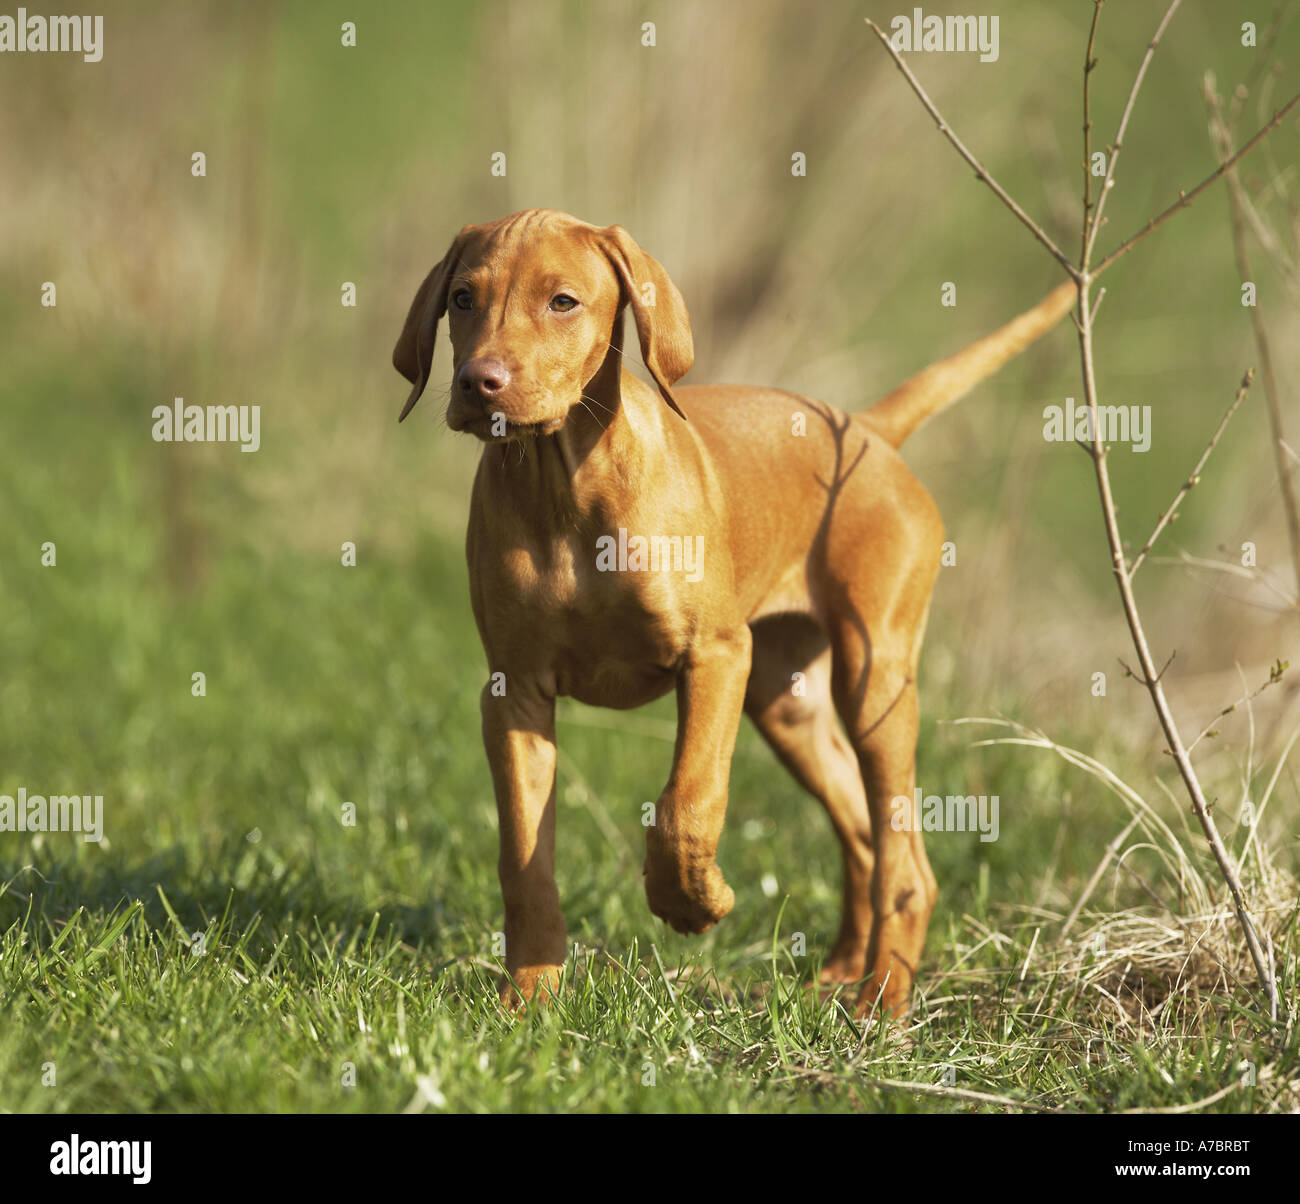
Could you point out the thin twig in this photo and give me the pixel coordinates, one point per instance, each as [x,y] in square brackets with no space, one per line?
[1255,575]
[1186,198]
[1149,891]
[1089,63]
[979,1097]
[1096,305]
[1208,730]
[1263,52]
[980,170]
[1168,516]
[1091,227]
[1272,971]
[1182,1109]
[1111,850]
[1223,135]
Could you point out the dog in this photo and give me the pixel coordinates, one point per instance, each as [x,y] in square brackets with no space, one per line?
[749,548]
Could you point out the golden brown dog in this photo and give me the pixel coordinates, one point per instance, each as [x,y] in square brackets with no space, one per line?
[747,547]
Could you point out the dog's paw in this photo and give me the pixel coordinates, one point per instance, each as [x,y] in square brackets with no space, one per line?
[689,901]
[885,995]
[844,967]
[529,984]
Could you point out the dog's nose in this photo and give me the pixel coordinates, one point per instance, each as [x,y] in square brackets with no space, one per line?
[484,378]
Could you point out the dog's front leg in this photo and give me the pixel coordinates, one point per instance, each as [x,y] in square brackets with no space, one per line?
[682,881]
[519,735]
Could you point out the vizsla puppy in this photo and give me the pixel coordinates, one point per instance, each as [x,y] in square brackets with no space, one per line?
[747,547]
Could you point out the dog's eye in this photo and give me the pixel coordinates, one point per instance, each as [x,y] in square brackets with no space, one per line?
[461,299]
[562,303]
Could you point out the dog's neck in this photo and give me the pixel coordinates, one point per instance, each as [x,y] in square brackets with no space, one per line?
[599,453]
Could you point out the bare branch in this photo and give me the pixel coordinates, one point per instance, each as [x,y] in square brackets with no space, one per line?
[980,171]
[1083,322]
[1262,55]
[1168,516]
[1089,63]
[1091,227]
[1223,135]
[1186,198]
[1274,677]
[1111,850]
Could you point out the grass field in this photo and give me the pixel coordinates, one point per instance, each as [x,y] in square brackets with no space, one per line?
[237,943]
[231,945]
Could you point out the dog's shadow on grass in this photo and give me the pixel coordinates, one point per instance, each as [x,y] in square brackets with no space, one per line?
[234,895]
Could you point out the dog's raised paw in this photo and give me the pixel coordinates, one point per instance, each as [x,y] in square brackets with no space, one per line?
[690,903]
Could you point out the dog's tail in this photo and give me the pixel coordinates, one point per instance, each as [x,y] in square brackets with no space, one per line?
[898,414]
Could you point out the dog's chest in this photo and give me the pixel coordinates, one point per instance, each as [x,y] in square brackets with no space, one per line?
[606,618]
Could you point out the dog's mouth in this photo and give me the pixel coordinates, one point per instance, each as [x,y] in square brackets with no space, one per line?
[495,427]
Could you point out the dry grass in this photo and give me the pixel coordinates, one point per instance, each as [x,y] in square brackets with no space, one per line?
[1157,961]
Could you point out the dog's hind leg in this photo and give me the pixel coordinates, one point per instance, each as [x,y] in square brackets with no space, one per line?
[789,700]
[874,685]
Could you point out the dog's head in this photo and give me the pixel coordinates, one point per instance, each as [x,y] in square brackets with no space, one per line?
[531,303]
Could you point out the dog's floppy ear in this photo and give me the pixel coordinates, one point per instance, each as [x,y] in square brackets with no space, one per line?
[413,355]
[662,323]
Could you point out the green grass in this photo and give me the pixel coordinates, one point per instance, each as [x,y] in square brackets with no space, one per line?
[233,946]
[363,954]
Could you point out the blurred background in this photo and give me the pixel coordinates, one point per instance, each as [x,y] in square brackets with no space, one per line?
[329,164]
